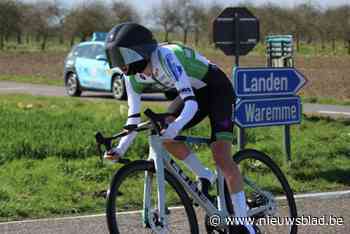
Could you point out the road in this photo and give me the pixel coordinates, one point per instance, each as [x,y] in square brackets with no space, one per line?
[337,207]
[45,90]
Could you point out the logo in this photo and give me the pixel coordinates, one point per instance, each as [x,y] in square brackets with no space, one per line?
[176,70]
[185,90]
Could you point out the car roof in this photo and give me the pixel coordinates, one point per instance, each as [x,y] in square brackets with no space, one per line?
[92,43]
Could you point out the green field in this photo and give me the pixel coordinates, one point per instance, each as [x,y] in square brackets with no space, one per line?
[49,166]
[31,80]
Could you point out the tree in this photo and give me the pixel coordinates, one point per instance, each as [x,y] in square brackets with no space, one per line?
[45,17]
[9,20]
[123,12]
[184,17]
[212,12]
[85,19]
[164,15]
[199,21]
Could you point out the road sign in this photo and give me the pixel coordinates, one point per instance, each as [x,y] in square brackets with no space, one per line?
[225,30]
[265,82]
[268,112]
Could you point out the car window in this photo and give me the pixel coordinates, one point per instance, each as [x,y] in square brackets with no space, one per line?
[82,51]
[96,50]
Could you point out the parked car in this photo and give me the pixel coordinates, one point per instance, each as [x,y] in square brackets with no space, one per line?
[86,69]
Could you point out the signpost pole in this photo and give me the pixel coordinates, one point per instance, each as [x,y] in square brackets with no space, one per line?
[286,141]
[240,130]
[284,63]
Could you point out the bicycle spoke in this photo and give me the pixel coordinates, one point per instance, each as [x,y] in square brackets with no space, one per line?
[129,206]
[266,195]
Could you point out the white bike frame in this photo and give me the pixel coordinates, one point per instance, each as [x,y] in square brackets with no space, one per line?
[162,161]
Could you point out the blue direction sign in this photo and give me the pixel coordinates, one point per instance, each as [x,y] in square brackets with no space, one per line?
[268,112]
[264,82]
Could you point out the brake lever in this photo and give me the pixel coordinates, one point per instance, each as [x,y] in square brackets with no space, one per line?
[99,151]
[153,118]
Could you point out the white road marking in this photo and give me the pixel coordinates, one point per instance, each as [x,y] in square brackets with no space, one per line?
[334,112]
[325,195]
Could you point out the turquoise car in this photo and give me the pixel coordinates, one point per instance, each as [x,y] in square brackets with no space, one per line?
[86,69]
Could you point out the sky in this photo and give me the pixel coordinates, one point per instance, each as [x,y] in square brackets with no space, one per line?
[144,5]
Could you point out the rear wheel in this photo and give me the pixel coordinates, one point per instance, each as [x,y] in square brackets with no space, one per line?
[118,88]
[72,85]
[125,203]
[267,189]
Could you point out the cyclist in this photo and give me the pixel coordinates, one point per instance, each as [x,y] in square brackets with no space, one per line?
[203,90]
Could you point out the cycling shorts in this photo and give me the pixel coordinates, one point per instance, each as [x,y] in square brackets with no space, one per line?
[215,100]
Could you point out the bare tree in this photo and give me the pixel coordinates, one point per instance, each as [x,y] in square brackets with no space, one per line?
[9,20]
[85,19]
[123,12]
[200,19]
[44,19]
[184,17]
[164,15]
[213,11]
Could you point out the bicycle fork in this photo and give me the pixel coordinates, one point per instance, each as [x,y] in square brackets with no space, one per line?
[155,219]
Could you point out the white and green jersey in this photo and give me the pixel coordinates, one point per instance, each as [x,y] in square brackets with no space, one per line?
[173,66]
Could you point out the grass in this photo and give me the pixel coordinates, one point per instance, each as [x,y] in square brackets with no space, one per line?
[49,166]
[56,82]
[31,79]
[326,101]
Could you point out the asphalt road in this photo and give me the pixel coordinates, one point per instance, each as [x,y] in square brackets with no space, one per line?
[338,208]
[45,90]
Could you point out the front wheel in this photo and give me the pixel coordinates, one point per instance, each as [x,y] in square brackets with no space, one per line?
[269,196]
[125,203]
[118,88]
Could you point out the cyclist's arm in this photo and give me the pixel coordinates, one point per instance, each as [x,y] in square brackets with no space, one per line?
[183,87]
[134,116]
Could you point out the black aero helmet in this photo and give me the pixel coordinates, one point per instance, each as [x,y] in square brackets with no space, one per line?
[128,43]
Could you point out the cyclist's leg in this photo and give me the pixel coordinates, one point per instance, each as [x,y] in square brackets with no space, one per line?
[220,115]
[179,149]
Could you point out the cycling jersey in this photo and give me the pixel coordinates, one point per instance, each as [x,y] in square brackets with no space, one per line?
[179,67]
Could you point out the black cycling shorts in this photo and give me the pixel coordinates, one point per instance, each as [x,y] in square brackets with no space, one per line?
[216,100]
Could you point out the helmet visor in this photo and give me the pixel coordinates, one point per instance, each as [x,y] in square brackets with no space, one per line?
[122,56]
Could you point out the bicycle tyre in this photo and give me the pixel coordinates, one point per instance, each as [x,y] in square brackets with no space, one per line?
[143,165]
[267,161]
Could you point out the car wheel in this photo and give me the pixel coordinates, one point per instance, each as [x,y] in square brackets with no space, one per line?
[72,85]
[118,88]
[170,95]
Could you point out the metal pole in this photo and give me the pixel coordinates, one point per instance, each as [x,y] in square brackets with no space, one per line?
[240,131]
[286,142]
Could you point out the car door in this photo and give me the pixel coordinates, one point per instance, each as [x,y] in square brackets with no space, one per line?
[103,72]
[83,66]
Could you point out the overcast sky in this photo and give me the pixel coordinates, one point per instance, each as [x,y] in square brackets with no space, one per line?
[144,5]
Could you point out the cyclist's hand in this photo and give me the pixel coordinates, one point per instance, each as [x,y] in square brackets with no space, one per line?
[112,155]
[171,132]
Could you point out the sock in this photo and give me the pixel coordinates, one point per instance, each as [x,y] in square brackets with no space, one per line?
[240,208]
[196,166]
[239,204]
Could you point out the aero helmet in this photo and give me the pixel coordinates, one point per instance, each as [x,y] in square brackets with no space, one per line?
[129,43]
